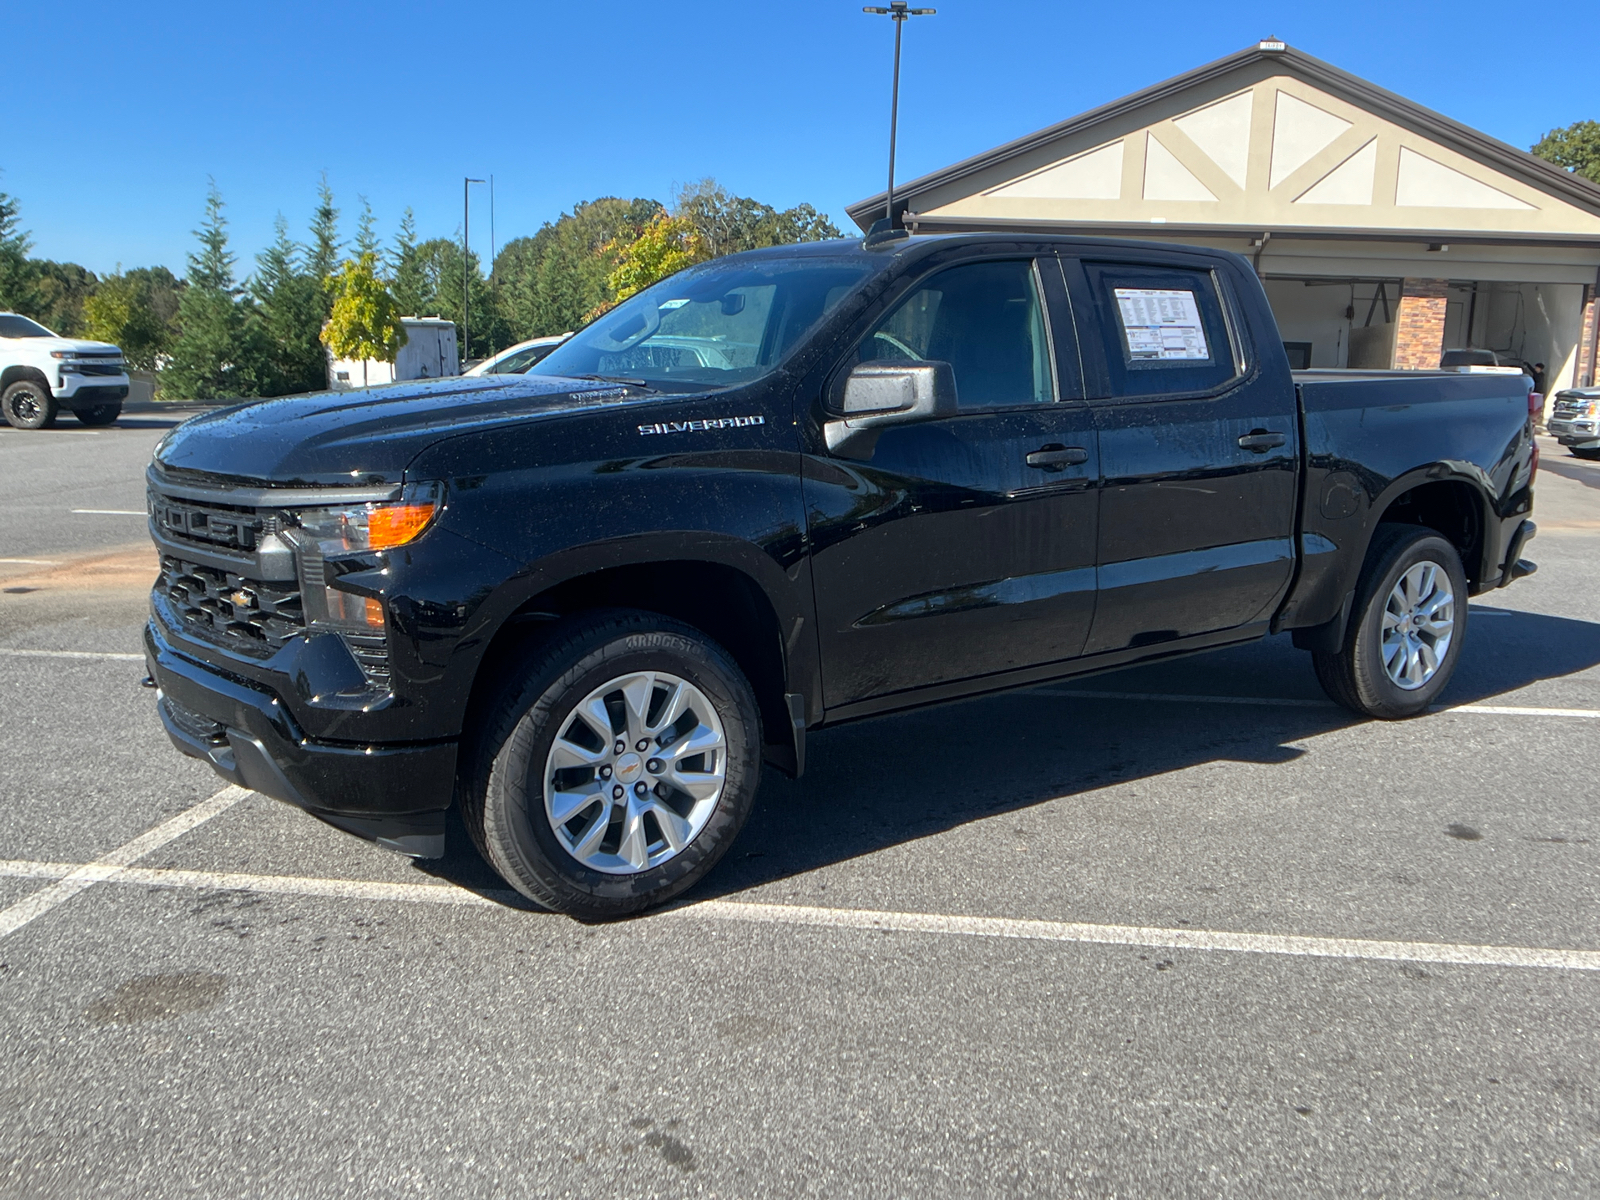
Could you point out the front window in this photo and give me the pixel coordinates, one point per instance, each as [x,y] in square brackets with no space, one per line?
[723,323]
[13,326]
[986,321]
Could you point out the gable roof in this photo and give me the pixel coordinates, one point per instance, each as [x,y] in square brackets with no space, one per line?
[1517,164]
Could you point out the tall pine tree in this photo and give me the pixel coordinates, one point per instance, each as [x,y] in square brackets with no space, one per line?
[322,255]
[218,353]
[17,289]
[413,295]
[289,310]
[366,231]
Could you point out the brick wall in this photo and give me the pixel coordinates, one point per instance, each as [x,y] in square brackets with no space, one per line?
[1587,338]
[1419,325]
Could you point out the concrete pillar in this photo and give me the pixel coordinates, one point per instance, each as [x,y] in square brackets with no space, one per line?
[1419,325]
[1588,339]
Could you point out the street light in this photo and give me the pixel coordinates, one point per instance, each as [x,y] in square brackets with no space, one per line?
[466,268]
[897,12]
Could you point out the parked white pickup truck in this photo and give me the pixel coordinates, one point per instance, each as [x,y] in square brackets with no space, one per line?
[40,374]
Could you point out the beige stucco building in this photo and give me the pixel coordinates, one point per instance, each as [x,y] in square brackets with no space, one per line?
[1384,232]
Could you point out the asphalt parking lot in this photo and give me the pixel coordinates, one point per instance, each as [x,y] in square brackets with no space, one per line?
[1186,930]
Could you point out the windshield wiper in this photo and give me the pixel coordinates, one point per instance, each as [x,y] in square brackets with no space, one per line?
[638,383]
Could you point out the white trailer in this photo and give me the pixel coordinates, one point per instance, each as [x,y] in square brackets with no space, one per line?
[429,352]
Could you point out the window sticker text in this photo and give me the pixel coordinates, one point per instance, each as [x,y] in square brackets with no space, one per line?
[1161,325]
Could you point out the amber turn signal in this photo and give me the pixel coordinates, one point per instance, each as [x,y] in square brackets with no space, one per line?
[393,525]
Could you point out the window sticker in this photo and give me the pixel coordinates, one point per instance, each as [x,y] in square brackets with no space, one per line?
[1161,325]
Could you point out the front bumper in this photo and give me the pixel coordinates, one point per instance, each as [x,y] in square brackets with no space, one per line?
[395,795]
[1580,433]
[73,390]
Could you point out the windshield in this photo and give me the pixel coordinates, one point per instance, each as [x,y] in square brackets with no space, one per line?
[722,323]
[13,326]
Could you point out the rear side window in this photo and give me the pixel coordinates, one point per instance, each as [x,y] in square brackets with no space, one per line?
[1164,329]
[986,320]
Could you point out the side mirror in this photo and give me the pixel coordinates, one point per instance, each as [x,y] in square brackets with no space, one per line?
[876,395]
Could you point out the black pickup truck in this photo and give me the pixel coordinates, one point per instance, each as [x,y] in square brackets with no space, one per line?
[786,489]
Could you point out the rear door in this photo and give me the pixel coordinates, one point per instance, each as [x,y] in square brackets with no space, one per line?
[965,546]
[1199,449]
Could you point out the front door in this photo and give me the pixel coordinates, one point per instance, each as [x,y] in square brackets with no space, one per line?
[964,546]
[1199,451]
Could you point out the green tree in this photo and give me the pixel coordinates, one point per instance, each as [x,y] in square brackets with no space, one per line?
[16,273]
[289,308]
[218,352]
[59,292]
[128,310]
[408,283]
[366,230]
[322,255]
[664,247]
[437,265]
[364,324]
[729,223]
[1576,147]
[550,282]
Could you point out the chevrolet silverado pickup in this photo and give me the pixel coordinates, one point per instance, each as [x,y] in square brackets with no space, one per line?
[791,488]
[40,374]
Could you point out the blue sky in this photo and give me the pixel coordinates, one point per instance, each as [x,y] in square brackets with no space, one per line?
[132,107]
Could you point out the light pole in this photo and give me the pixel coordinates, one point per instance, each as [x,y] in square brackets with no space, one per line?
[897,12]
[466,270]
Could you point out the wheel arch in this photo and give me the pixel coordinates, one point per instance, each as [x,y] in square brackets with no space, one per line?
[1455,505]
[756,620]
[19,372]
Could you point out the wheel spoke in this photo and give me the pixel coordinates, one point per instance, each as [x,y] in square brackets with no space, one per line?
[636,693]
[565,755]
[633,850]
[677,700]
[700,741]
[595,715]
[702,785]
[674,828]
[583,849]
[1427,658]
[566,805]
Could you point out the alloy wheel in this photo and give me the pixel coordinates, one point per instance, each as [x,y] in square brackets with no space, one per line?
[1419,622]
[635,773]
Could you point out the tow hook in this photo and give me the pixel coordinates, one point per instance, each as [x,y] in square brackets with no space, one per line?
[149,681]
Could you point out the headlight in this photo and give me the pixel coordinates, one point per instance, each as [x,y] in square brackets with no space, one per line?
[373,526]
[358,528]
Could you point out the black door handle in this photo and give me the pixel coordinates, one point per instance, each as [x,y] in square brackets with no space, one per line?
[1054,457]
[1261,441]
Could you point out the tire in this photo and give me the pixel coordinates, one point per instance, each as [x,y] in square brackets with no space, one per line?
[610,855]
[100,414]
[1592,453]
[28,404]
[1357,676]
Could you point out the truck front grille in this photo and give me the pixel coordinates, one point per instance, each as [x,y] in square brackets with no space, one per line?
[245,615]
[99,368]
[207,524]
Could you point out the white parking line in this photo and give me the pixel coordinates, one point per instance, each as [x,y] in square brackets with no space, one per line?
[31,562]
[110,512]
[1495,710]
[106,866]
[71,654]
[1149,937]
[1153,937]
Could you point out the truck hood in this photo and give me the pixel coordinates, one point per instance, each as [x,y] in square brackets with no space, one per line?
[42,346]
[367,436]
